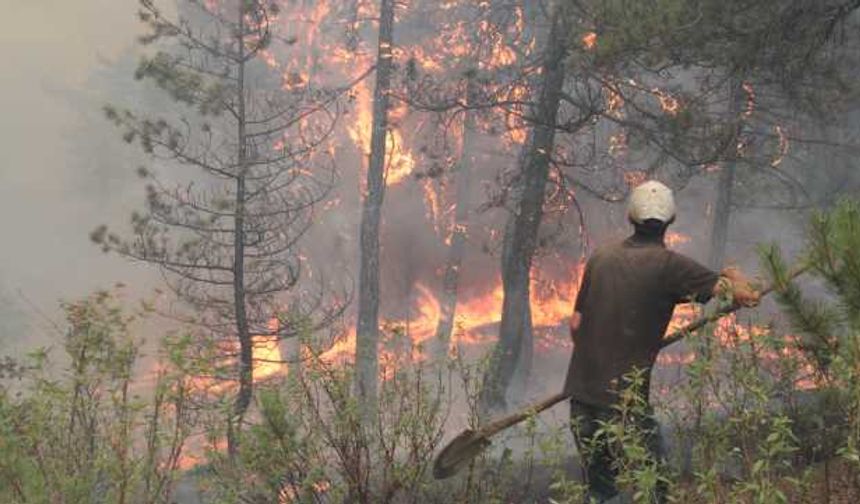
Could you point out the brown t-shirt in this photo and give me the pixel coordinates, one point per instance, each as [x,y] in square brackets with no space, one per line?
[628,293]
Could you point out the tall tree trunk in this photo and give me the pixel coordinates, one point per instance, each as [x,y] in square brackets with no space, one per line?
[367,330]
[722,211]
[524,222]
[523,370]
[725,186]
[246,373]
[457,248]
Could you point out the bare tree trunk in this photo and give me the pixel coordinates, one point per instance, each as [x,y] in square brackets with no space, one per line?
[722,215]
[524,222]
[243,399]
[725,186]
[367,330]
[246,377]
[523,370]
[451,280]
[719,232]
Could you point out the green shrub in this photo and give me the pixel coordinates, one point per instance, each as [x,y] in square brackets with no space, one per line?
[85,435]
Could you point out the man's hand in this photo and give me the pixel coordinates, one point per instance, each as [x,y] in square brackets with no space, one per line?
[733,280]
[575,321]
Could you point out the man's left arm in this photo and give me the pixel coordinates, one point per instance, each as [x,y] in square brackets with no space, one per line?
[689,279]
[733,282]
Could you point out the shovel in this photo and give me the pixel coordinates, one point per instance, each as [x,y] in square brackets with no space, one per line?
[470,443]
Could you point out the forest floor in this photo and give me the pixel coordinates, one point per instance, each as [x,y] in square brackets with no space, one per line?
[831,482]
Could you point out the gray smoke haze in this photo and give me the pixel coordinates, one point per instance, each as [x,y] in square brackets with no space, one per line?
[62,170]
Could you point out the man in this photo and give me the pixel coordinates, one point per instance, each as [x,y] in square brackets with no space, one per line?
[625,303]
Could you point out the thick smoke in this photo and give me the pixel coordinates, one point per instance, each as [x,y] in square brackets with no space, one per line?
[62,170]
[65,170]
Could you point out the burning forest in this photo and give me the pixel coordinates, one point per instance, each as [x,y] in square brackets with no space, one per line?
[388,238]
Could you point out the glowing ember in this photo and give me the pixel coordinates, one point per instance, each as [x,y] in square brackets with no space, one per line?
[425,61]
[668,103]
[750,105]
[589,40]
[617,144]
[673,239]
[614,104]
[731,333]
[675,359]
[288,494]
[634,178]
[784,145]
[516,132]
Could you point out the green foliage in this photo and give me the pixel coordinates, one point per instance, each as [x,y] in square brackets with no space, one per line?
[209,96]
[835,255]
[238,170]
[830,325]
[782,40]
[639,471]
[311,441]
[86,436]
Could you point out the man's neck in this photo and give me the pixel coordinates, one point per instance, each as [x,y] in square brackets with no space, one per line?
[647,238]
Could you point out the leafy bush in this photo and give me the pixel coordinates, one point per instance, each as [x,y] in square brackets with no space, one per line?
[764,415]
[85,436]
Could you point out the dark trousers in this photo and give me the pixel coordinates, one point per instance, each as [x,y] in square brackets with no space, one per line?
[599,455]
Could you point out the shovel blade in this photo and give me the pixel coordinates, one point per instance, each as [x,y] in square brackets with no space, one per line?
[459,453]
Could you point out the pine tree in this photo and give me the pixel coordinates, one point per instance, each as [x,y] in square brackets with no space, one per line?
[367,326]
[235,184]
[829,326]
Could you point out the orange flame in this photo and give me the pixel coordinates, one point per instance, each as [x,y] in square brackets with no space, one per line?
[751,99]
[668,103]
[589,40]
[673,239]
[399,159]
[634,178]
[784,145]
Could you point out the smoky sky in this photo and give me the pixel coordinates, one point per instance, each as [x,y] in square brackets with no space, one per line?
[61,170]
[64,170]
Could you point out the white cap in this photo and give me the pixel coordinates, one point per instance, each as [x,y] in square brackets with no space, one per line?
[651,200]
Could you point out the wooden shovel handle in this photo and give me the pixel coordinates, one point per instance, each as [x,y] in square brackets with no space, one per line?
[503,423]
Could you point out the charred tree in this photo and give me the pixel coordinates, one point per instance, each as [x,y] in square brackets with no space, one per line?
[246,351]
[725,184]
[367,327]
[459,233]
[525,219]
[234,187]
[722,215]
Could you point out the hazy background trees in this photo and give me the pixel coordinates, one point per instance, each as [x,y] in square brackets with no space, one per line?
[504,135]
[367,326]
[226,235]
